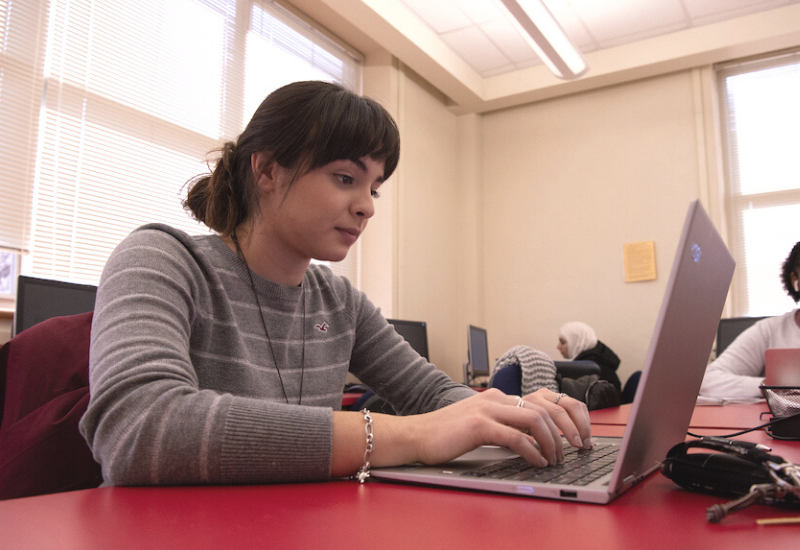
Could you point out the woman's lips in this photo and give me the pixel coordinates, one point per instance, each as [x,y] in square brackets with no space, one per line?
[350,235]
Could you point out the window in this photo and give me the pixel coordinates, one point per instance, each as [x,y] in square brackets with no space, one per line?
[107,109]
[761,122]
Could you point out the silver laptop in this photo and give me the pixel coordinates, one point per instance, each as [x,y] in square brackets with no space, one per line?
[661,411]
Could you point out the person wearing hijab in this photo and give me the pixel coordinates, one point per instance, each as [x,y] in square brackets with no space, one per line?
[578,342]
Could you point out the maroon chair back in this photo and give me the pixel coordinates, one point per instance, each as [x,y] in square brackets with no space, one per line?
[44,391]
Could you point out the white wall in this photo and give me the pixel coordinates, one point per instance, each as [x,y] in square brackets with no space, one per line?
[429,221]
[545,193]
[566,183]
[515,220]
[378,245]
[421,250]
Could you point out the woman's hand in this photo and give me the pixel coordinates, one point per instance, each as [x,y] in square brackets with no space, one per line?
[569,415]
[490,418]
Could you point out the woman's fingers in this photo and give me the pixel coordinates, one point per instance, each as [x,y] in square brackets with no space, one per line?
[524,445]
[494,418]
[533,421]
[556,412]
[570,415]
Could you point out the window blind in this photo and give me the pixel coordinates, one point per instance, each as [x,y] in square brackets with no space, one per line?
[22,32]
[130,99]
[761,118]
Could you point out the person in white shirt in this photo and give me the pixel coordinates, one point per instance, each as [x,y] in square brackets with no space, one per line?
[739,370]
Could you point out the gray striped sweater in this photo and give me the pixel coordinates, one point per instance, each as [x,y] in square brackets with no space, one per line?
[183,385]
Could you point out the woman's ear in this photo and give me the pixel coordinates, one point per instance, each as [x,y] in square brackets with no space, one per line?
[264,170]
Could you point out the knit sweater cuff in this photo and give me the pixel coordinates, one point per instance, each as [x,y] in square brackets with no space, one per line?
[276,443]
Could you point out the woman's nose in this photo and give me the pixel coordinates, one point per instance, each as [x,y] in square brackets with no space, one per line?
[365,205]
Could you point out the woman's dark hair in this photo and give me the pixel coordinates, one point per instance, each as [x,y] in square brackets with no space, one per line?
[302,126]
[791,265]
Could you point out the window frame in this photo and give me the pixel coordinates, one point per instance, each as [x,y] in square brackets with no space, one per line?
[736,202]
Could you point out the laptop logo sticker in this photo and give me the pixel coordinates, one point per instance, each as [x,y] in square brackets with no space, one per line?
[696,252]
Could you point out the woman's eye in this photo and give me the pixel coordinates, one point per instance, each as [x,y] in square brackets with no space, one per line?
[375,194]
[347,180]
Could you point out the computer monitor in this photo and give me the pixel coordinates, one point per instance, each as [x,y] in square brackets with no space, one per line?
[729,329]
[415,333]
[477,364]
[40,299]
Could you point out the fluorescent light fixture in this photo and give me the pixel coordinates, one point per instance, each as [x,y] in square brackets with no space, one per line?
[547,38]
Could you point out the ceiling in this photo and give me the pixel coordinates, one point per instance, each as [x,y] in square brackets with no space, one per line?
[475,57]
[479,31]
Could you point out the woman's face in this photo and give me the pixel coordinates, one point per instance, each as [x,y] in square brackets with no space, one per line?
[326,210]
[563,347]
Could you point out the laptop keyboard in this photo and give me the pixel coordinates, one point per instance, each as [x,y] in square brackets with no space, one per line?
[580,467]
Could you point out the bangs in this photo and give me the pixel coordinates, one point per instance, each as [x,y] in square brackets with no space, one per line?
[350,128]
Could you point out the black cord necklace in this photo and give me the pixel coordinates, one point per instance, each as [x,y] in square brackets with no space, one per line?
[264,324]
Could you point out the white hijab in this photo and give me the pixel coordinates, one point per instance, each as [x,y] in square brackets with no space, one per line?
[579,337]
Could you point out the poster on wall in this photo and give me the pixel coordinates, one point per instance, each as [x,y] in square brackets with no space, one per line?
[640,261]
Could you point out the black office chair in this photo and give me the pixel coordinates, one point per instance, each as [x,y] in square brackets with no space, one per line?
[629,391]
[576,369]
[729,329]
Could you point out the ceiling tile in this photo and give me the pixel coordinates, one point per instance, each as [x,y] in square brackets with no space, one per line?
[479,11]
[506,38]
[613,21]
[704,12]
[479,30]
[473,45]
[441,15]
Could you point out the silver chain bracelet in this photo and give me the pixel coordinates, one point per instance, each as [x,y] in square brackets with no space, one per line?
[363,473]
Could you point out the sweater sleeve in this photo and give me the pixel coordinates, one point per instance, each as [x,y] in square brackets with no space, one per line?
[738,371]
[388,365]
[152,418]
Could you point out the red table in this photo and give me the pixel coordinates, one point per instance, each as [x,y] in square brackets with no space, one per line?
[726,417]
[655,514]
[731,417]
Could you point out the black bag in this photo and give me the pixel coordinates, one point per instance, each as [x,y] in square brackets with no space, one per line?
[596,393]
[735,469]
[723,473]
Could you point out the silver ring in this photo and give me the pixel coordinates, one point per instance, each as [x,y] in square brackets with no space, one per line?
[521,403]
[558,397]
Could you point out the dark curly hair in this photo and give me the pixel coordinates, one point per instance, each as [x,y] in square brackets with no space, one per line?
[302,126]
[791,265]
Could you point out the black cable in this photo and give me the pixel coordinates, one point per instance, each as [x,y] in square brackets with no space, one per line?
[762,426]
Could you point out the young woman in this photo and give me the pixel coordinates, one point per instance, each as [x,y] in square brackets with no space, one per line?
[222,358]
